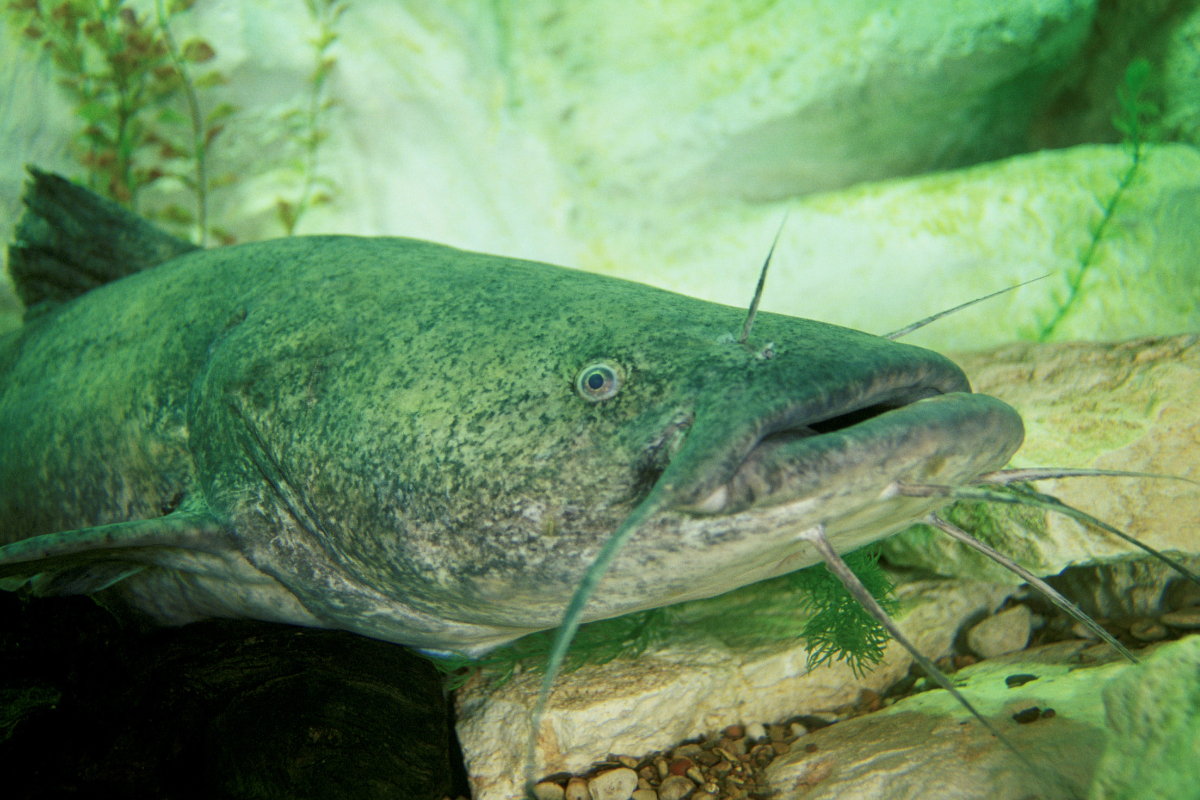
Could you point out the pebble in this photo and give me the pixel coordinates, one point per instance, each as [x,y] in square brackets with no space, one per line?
[736,746]
[577,789]
[868,700]
[548,791]
[1032,714]
[676,787]
[1013,681]
[615,784]
[1001,634]
[1186,618]
[1148,630]
[720,768]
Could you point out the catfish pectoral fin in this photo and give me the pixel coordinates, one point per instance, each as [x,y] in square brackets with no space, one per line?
[90,559]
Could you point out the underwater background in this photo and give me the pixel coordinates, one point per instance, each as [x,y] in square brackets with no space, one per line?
[925,153]
[928,153]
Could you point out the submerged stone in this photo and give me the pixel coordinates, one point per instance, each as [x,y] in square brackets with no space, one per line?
[926,745]
[1154,714]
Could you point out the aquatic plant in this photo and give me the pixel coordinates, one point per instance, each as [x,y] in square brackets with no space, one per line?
[127,78]
[307,124]
[204,128]
[840,628]
[1137,122]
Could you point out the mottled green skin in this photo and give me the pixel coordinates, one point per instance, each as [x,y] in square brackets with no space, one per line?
[387,434]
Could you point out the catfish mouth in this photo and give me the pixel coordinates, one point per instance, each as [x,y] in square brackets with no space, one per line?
[926,427]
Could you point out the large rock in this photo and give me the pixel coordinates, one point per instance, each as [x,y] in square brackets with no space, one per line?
[729,660]
[1118,731]
[765,101]
[1127,406]
[928,746]
[1154,715]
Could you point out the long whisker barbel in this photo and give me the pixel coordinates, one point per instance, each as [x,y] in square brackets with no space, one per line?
[905,331]
[1033,580]
[1003,477]
[835,564]
[1032,499]
[572,618]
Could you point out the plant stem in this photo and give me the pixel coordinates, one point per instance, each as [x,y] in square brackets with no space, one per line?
[198,143]
[1089,256]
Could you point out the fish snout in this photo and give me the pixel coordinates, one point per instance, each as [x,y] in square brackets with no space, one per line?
[947,439]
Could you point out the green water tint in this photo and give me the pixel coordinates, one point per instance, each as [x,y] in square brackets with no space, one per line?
[810,604]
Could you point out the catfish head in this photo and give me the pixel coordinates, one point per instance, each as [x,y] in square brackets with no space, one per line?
[431,446]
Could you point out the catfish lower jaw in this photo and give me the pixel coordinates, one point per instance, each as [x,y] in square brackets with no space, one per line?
[946,439]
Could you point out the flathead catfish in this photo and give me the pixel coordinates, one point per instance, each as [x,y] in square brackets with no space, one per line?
[428,445]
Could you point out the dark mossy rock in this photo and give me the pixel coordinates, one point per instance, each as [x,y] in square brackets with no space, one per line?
[218,709]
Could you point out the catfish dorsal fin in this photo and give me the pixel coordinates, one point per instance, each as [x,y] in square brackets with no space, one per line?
[70,240]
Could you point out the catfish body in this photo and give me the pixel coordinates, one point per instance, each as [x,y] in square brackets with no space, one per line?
[403,439]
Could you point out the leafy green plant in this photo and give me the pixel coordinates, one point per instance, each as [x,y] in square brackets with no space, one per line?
[127,78]
[838,629]
[1137,122]
[307,124]
[204,127]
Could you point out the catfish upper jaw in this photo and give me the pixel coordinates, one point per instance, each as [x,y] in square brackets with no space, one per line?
[944,439]
[915,422]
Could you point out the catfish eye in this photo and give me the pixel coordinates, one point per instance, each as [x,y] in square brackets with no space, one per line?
[597,382]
